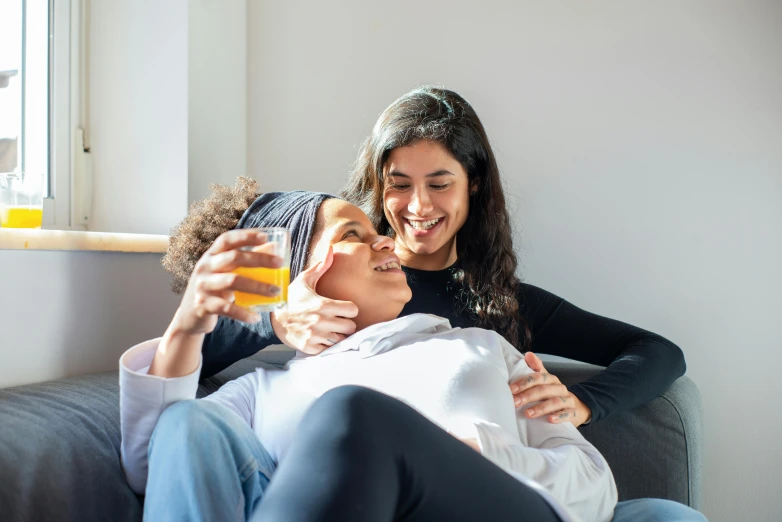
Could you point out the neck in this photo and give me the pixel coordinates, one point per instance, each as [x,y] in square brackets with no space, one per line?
[439,260]
[367,317]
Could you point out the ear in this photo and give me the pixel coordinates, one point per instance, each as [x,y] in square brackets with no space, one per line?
[473,187]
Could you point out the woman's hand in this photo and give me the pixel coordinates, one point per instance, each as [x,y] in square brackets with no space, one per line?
[210,291]
[552,396]
[209,294]
[311,323]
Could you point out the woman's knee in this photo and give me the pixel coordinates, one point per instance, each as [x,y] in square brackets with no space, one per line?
[348,410]
[184,426]
[655,510]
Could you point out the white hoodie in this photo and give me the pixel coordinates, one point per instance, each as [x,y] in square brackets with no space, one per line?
[458,378]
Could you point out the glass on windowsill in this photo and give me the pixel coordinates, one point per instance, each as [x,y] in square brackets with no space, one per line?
[21,200]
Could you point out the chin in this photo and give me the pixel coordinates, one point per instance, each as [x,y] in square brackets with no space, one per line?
[424,249]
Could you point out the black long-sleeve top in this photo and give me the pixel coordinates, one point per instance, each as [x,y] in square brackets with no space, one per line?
[639,364]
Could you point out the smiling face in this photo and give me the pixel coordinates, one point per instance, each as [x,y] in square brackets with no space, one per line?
[365,269]
[426,200]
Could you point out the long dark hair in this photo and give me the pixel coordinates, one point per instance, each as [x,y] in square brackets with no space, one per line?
[487,262]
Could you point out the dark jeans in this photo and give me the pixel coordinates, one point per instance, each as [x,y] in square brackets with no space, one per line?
[362,456]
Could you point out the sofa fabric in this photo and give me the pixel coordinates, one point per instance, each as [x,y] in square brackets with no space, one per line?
[60,440]
[654,450]
[59,452]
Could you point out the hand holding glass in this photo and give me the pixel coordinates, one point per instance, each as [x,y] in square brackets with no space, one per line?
[279,239]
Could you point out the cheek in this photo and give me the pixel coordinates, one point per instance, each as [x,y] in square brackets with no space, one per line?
[339,281]
[458,205]
[391,206]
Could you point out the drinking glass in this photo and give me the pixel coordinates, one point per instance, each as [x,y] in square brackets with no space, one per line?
[281,240]
[21,200]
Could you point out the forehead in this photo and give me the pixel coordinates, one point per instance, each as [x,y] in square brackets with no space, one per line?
[422,158]
[336,212]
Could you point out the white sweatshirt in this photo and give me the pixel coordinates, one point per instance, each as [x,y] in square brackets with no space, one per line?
[458,378]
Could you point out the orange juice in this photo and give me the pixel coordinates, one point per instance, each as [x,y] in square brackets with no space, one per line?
[274,276]
[21,217]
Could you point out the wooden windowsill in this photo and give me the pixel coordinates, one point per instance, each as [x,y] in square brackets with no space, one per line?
[33,239]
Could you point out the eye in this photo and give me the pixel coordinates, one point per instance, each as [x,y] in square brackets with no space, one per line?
[440,187]
[350,233]
[397,186]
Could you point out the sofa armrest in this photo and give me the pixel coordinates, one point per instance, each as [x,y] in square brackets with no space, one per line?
[654,450]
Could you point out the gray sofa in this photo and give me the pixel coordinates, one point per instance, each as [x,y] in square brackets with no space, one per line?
[60,440]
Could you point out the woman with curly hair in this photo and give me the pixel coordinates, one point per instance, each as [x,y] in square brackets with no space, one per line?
[407,419]
[428,177]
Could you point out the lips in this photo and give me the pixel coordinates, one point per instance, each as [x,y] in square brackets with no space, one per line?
[389,263]
[388,266]
[423,225]
[420,227]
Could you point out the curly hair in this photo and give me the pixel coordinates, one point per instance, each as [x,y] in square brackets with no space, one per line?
[487,261]
[205,221]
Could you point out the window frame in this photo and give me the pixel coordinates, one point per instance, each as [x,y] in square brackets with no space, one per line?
[56,207]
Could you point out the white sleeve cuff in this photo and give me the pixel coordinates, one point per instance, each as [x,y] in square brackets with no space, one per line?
[143,398]
[134,379]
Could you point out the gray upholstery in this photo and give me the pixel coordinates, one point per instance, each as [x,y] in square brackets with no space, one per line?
[59,445]
[654,450]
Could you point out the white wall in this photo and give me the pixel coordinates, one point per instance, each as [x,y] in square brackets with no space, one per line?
[138,95]
[217,114]
[642,147]
[74,313]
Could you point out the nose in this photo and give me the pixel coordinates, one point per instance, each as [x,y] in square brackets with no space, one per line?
[420,204]
[382,243]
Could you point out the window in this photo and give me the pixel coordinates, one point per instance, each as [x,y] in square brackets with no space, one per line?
[36,102]
[24,87]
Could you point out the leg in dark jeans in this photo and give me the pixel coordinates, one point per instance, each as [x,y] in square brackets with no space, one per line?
[360,455]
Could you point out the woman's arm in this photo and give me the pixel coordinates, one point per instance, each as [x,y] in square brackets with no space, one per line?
[309,323]
[640,364]
[158,373]
[144,398]
[209,297]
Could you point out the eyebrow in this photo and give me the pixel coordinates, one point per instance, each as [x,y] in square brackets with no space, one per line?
[349,224]
[432,175]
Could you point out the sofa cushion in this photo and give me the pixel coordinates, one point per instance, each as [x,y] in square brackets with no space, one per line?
[59,452]
[654,450]
[60,449]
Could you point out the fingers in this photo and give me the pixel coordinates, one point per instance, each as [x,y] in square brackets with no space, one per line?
[532,380]
[540,393]
[229,281]
[233,259]
[563,416]
[312,275]
[332,307]
[317,344]
[553,406]
[534,362]
[337,327]
[235,239]
[213,305]
[327,333]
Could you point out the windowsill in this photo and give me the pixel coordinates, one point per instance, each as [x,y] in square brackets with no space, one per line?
[33,239]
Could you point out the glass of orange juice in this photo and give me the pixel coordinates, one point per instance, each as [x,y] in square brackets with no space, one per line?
[280,240]
[21,200]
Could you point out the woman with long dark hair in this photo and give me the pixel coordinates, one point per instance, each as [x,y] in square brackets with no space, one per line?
[427,176]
